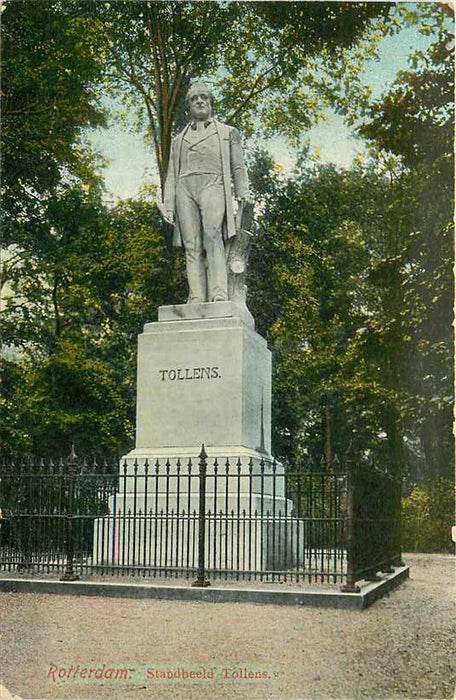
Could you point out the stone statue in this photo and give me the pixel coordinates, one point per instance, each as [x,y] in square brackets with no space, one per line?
[205,159]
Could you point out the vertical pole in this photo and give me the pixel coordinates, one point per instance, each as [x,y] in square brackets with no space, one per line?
[262,562]
[25,538]
[69,574]
[398,560]
[227,517]
[146,487]
[178,487]
[274,561]
[189,517]
[388,523]
[201,580]
[238,518]
[350,586]
[250,519]
[215,513]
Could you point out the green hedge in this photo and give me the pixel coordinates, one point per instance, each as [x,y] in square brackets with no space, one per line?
[427,517]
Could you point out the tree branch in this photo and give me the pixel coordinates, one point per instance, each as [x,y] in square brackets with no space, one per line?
[253,92]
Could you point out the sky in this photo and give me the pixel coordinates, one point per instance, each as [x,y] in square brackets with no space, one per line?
[131,162]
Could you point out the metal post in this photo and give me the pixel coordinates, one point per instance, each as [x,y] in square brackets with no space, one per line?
[350,586]
[399,560]
[371,575]
[201,580]
[386,569]
[69,574]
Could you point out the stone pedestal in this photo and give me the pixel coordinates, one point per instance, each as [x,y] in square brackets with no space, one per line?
[204,377]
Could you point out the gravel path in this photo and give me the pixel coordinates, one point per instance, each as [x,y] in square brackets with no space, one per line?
[399,648]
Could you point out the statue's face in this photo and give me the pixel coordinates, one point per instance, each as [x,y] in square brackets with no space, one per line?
[200,104]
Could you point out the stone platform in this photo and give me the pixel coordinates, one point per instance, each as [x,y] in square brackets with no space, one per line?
[204,377]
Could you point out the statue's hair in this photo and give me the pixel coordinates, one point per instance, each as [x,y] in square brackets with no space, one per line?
[202,86]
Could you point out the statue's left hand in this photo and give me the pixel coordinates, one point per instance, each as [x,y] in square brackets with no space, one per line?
[244,200]
[244,213]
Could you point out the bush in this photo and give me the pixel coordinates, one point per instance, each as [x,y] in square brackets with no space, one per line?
[427,517]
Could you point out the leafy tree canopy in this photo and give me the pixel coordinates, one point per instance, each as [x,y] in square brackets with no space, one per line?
[271,60]
[50,66]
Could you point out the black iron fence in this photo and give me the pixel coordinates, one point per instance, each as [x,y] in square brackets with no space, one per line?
[202,519]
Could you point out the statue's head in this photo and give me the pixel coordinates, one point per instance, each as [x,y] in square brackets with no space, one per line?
[199,101]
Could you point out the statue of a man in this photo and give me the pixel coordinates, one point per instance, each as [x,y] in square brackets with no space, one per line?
[206,157]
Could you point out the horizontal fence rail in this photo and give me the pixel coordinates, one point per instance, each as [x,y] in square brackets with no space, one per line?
[203,519]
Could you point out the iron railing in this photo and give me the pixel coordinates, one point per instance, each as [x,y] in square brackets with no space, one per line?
[198,518]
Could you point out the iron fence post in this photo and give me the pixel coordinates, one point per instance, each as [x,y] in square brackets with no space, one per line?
[69,574]
[398,560]
[350,586]
[201,580]
[387,567]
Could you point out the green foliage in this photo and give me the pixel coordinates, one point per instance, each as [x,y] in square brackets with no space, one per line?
[415,119]
[50,65]
[77,277]
[413,124]
[350,276]
[325,314]
[272,64]
[67,397]
[74,312]
[427,517]
[362,341]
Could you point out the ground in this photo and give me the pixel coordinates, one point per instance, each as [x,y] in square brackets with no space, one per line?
[399,648]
